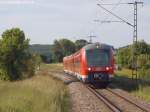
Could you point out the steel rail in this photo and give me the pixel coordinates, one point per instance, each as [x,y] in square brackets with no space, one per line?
[105,100]
[128,100]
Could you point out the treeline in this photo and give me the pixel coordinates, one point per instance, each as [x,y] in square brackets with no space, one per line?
[124,57]
[54,53]
[65,47]
[44,51]
[16,62]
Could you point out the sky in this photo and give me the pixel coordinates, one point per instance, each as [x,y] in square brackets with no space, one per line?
[43,21]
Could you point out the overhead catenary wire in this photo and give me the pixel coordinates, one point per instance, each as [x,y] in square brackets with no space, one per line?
[115,6]
[107,16]
[115,15]
[134,57]
[120,3]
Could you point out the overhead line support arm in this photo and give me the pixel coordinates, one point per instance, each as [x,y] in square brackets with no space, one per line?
[115,15]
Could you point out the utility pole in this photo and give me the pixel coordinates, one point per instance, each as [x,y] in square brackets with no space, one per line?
[135,39]
[91,36]
[134,50]
[135,33]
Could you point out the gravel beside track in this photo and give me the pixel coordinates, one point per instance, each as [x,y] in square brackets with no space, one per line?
[105,100]
[84,100]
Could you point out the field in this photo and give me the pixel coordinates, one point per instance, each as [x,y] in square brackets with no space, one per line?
[139,88]
[52,68]
[40,93]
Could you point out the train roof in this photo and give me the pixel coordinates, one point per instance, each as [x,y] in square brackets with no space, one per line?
[98,45]
[92,46]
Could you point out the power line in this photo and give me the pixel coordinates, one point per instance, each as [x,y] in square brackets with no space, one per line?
[115,15]
[114,7]
[109,21]
[116,4]
[135,32]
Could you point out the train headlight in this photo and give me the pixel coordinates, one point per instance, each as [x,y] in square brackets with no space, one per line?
[107,68]
[89,69]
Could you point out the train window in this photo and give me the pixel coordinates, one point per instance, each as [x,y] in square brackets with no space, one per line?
[98,57]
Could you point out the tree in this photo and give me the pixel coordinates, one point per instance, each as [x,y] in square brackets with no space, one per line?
[124,56]
[37,60]
[142,48]
[15,58]
[61,48]
[142,52]
[80,43]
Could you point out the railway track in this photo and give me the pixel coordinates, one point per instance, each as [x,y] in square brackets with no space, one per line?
[69,79]
[113,106]
[140,106]
[104,99]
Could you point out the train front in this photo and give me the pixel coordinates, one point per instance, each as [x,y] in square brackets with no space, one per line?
[99,63]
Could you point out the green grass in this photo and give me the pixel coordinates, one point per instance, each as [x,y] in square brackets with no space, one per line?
[40,93]
[53,68]
[125,72]
[139,88]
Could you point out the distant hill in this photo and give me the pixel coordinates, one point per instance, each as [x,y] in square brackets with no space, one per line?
[44,50]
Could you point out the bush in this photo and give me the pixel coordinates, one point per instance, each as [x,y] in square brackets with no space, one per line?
[4,75]
[144,73]
[15,58]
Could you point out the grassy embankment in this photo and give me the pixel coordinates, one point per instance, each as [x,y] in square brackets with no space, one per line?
[40,93]
[140,88]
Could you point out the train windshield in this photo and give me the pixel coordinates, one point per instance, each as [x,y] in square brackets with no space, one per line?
[97,57]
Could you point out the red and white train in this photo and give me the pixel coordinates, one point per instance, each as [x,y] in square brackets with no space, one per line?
[92,63]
